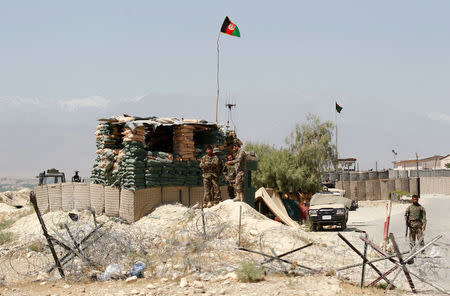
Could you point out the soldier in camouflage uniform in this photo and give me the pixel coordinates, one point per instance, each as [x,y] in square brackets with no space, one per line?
[230,175]
[416,218]
[219,172]
[240,167]
[209,165]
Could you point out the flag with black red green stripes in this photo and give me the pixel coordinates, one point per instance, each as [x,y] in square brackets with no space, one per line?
[228,27]
[338,108]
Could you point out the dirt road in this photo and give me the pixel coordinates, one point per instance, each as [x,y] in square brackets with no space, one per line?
[370,218]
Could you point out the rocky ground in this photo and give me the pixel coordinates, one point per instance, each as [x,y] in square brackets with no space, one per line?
[184,258]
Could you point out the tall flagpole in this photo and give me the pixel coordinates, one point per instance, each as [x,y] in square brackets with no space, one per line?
[335,119]
[217,97]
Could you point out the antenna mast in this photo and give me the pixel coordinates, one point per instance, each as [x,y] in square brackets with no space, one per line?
[230,107]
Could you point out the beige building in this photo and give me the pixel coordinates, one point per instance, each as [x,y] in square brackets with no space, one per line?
[436,162]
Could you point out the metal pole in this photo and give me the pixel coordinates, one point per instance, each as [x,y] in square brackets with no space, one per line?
[363,270]
[218,85]
[47,236]
[275,258]
[403,263]
[418,178]
[203,221]
[371,261]
[290,252]
[364,258]
[240,219]
[337,153]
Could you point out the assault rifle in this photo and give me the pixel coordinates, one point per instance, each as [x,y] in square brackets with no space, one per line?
[407,225]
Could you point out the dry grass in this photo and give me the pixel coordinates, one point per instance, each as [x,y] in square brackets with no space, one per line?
[5,237]
[250,272]
[36,246]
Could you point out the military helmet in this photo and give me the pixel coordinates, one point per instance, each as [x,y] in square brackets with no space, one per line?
[216,150]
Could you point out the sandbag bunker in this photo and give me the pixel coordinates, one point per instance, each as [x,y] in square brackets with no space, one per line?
[141,163]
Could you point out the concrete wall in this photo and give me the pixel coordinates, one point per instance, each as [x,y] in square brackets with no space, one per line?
[435,185]
[380,189]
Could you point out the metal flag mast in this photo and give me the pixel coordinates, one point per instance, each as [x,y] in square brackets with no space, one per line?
[335,120]
[229,28]
[217,96]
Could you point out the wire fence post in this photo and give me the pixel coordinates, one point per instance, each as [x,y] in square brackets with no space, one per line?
[240,219]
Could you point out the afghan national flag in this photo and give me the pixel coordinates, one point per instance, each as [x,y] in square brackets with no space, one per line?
[338,108]
[230,28]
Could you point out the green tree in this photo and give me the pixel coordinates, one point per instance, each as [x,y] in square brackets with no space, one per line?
[297,167]
[447,165]
[311,142]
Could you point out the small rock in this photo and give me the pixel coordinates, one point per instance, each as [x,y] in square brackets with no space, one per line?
[131,279]
[198,284]
[93,273]
[43,283]
[164,280]
[67,286]
[231,276]
[41,277]
[223,291]
[254,232]
[29,254]
[134,292]
[226,282]
[183,282]
[151,286]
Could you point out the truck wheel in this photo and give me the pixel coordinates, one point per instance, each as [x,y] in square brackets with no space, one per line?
[343,225]
[313,226]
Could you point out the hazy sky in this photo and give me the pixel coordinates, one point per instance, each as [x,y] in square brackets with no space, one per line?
[65,64]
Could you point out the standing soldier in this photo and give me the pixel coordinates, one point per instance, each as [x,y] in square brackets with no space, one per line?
[209,164]
[230,175]
[76,177]
[416,219]
[240,167]
[219,172]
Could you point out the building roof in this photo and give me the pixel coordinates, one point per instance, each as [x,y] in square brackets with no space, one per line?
[435,157]
[346,159]
[133,122]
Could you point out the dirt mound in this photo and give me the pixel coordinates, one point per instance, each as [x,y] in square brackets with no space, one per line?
[15,198]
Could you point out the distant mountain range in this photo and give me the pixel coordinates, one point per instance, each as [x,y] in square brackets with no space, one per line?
[13,184]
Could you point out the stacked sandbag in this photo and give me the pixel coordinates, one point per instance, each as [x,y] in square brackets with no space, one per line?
[108,142]
[179,173]
[167,173]
[134,135]
[215,137]
[103,172]
[54,197]
[193,174]
[132,165]
[153,172]
[183,139]
[107,135]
